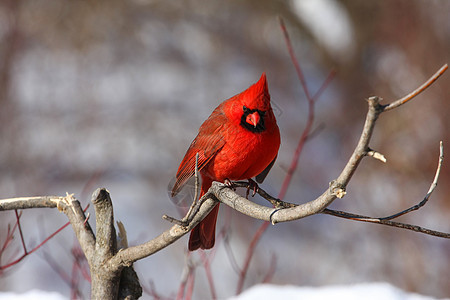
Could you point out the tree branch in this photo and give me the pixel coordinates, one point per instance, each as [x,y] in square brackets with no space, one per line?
[126,257]
[361,218]
[337,187]
[83,231]
[106,265]
[387,220]
[30,202]
[417,91]
[104,284]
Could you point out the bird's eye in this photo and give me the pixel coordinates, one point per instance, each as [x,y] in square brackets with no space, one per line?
[245,108]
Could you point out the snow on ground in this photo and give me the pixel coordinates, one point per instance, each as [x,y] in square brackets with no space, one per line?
[32,295]
[365,291]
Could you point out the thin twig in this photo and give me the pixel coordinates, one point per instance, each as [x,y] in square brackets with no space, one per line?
[196,203]
[207,257]
[8,240]
[197,180]
[190,286]
[174,220]
[26,253]
[185,275]
[294,59]
[239,202]
[20,231]
[430,190]
[207,265]
[56,267]
[249,255]
[361,218]
[417,91]
[196,193]
[386,220]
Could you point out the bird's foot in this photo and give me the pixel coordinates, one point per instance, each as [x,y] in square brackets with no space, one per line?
[229,184]
[252,185]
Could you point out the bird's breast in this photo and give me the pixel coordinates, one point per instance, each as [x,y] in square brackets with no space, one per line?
[244,155]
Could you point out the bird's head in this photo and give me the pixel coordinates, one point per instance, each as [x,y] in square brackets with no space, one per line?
[251,107]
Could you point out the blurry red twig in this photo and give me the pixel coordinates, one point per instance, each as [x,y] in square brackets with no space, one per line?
[26,252]
[188,278]
[73,279]
[190,286]
[294,163]
[206,261]
[80,262]
[207,257]
[18,215]
[294,59]
[248,257]
[151,290]
[311,101]
[9,238]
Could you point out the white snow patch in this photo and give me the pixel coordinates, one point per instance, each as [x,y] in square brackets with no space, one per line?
[32,295]
[367,291]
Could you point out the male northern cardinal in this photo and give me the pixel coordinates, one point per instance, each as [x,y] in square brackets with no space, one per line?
[238,141]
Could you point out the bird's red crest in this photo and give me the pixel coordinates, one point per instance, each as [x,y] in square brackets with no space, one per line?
[257,95]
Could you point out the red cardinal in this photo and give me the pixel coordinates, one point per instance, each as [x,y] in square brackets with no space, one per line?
[238,141]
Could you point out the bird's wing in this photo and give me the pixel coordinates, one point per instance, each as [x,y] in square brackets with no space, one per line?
[208,142]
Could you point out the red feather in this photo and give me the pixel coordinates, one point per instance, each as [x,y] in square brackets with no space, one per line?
[238,141]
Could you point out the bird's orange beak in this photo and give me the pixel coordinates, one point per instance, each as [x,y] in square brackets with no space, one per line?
[253,118]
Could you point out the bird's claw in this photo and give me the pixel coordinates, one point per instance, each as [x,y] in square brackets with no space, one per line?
[229,184]
[252,185]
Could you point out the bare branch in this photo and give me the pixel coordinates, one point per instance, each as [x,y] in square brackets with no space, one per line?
[126,257]
[195,205]
[300,75]
[386,220]
[72,208]
[68,205]
[20,231]
[430,190]
[337,187]
[361,218]
[417,91]
[245,206]
[29,202]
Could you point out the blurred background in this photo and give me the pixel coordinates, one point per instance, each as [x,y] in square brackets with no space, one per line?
[111,93]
